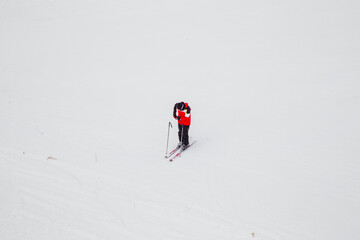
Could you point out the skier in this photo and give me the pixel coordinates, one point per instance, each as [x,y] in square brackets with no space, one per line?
[183,115]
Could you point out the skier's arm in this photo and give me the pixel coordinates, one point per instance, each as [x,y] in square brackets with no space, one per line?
[174,113]
[188,109]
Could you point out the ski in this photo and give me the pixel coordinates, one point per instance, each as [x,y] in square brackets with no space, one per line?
[175,150]
[179,153]
[172,152]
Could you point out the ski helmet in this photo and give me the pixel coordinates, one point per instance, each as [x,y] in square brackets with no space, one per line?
[180,105]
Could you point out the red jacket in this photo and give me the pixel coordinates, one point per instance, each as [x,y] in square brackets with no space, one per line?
[184,115]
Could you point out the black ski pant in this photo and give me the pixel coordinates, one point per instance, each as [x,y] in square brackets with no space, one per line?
[184,134]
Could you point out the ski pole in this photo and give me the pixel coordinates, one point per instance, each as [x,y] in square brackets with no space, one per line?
[167,144]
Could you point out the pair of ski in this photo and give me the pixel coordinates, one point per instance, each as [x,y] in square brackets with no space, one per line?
[177,151]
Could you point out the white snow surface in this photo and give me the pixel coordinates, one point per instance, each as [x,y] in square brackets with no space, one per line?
[87,90]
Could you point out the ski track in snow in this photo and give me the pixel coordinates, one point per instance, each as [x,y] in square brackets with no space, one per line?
[60,191]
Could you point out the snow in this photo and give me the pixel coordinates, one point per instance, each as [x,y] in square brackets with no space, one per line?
[87,90]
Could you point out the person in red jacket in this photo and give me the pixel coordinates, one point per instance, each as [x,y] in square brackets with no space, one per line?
[182,114]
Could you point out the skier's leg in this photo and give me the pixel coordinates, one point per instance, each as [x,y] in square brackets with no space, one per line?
[186,135]
[180,131]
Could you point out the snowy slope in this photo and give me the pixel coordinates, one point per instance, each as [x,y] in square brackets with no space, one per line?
[87,90]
